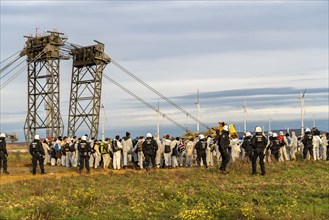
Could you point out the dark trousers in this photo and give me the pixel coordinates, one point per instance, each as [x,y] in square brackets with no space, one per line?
[307,149]
[84,160]
[148,159]
[276,155]
[35,159]
[261,162]
[3,161]
[202,156]
[225,159]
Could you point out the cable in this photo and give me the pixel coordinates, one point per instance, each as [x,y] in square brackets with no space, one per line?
[158,93]
[11,70]
[9,64]
[21,70]
[10,57]
[144,102]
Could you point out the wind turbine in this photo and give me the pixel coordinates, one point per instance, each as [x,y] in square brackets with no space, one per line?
[301,98]
[103,122]
[198,111]
[269,124]
[158,124]
[245,116]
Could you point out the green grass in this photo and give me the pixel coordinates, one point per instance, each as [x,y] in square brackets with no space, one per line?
[291,190]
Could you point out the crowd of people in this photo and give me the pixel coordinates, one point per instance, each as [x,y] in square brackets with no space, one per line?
[172,152]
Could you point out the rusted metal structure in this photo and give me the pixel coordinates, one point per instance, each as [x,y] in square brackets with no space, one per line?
[86,88]
[43,68]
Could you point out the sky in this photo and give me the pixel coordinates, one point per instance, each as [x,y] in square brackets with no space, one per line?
[266,52]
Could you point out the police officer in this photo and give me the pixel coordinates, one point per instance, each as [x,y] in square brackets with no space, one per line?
[150,147]
[84,151]
[3,153]
[307,142]
[223,145]
[258,143]
[201,147]
[275,146]
[246,145]
[38,154]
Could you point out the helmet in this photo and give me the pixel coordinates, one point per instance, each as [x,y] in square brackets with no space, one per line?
[248,134]
[3,135]
[258,129]
[225,128]
[275,135]
[37,137]
[83,138]
[201,136]
[148,135]
[307,130]
[281,133]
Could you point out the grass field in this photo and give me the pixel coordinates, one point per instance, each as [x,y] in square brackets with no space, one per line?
[291,190]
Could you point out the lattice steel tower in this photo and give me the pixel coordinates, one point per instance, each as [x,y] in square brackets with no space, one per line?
[87,72]
[43,60]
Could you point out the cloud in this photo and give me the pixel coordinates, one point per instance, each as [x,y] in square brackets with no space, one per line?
[266,50]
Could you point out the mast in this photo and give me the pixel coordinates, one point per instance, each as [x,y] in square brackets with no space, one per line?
[245,116]
[158,123]
[103,123]
[302,111]
[198,111]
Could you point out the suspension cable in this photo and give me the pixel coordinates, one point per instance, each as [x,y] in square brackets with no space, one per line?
[144,102]
[11,70]
[21,70]
[9,64]
[158,93]
[10,57]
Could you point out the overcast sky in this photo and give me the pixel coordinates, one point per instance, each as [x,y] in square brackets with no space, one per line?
[266,51]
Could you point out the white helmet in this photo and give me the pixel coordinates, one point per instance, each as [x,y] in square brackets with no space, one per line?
[281,133]
[148,135]
[37,137]
[225,128]
[3,135]
[258,129]
[83,138]
[275,135]
[201,136]
[248,134]
[307,130]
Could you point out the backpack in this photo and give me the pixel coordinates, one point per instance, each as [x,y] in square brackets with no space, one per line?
[140,146]
[175,151]
[167,149]
[115,146]
[149,145]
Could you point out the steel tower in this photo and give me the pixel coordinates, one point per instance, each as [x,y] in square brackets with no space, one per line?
[85,99]
[43,61]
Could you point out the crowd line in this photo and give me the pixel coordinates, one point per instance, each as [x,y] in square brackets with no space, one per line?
[172,152]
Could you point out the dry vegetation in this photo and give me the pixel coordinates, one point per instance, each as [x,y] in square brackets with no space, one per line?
[292,190]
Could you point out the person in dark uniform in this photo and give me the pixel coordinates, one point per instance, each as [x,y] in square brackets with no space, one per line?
[201,147]
[223,145]
[246,145]
[3,153]
[149,148]
[307,142]
[258,143]
[275,146]
[38,154]
[84,151]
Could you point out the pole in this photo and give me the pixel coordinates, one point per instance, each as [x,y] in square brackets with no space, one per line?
[158,124]
[198,112]
[103,123]
[245,116]
[269,124]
